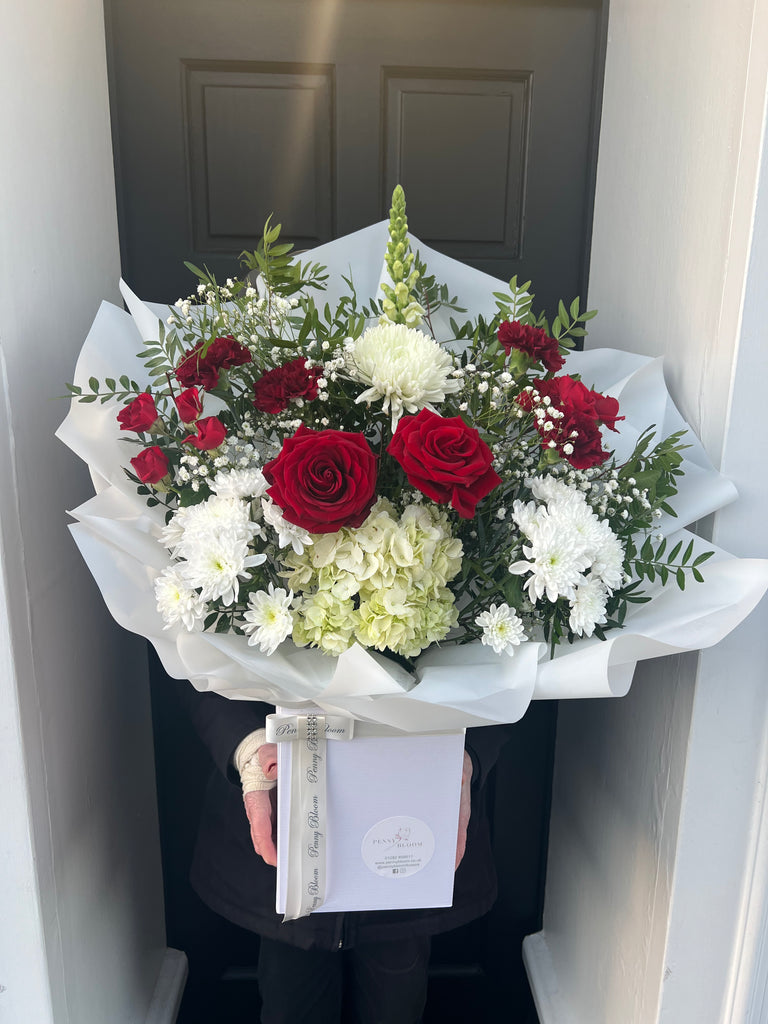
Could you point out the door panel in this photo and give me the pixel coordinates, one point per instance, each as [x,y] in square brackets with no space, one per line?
[314,108]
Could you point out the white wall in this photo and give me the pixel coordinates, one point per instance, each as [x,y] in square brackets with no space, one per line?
[656,798]
[79,862]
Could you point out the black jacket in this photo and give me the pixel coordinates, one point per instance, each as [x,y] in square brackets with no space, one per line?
[236,883]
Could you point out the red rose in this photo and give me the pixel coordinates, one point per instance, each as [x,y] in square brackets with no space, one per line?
[189,405]
[210,433]
[323,479]
[138,415]
[196,369]
[532,342]
[445,459]
[293,380]
[150,465]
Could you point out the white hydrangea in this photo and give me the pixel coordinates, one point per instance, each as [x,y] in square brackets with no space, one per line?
[502,627]
[268,620]
[404,368]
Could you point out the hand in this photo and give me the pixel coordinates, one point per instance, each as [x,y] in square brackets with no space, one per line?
[465,808]
[261,805]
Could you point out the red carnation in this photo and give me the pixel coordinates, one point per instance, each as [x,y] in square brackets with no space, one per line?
[150,465]
[138,415]
[445,459]
[196,369]
[532,342]
[575,435]
[323,479]
[293,381]
[210,433]
[189,405]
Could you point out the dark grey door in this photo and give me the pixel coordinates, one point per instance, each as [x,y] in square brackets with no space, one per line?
[225,111]
[485,111]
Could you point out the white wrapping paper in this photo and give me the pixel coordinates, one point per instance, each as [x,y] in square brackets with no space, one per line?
[453,687]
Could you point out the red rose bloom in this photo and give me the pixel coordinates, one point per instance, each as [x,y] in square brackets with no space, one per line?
[576,434]
[150,465]
[533,342]
[200,370]
[323,479]
[210,433]
[138,415]
[279,387]
[445,459]
[189,405]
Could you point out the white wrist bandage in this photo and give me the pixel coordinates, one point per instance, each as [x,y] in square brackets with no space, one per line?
[246,759]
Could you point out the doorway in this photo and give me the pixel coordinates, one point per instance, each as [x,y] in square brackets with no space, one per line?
[486,112]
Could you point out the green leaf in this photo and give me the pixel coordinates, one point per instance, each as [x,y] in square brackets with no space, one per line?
[681,578]
[93,383]
[688,553]
[703,557]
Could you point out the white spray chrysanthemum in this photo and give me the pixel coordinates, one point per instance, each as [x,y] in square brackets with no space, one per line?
[239,483]
[268,620]
[404,368]
[588,607]
[555,558]
[177,602]
[502,628]
[287,533]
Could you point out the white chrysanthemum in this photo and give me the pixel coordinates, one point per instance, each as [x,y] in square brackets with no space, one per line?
[548,488]
[556,559]
[215,564]
[588,607]
[502,628]
[177,601]
[287,533]
[608,558]
[268,619]
[404,368]
[214,516]
[239,483]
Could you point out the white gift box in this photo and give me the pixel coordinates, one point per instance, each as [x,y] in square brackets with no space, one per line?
[391,822]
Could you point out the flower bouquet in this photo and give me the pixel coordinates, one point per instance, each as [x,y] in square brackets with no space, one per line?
[376,482]
[297,472]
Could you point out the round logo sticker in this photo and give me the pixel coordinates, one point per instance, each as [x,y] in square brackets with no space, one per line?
[398,847]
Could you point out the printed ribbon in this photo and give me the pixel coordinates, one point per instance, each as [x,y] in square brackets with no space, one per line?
[305,889]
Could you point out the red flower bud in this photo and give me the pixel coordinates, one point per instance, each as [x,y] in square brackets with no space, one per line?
[189,405]
[210,433]
[138,415]
[150,465]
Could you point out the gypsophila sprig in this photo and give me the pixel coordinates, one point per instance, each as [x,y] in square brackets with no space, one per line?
[333,474]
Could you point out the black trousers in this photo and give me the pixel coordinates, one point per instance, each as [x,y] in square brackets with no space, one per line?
[376,983]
